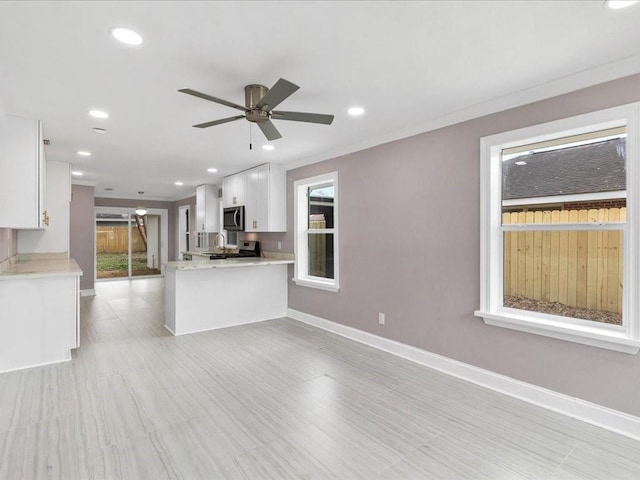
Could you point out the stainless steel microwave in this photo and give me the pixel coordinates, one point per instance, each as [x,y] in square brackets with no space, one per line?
[233,219]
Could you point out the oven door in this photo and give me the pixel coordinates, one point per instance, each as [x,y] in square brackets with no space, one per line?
[233,219]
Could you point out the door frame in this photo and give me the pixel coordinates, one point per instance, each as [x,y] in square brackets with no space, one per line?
[164,237]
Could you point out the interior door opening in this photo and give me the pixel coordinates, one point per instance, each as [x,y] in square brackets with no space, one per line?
[129,245]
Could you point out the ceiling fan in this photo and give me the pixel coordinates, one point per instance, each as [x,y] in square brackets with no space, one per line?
[259,108]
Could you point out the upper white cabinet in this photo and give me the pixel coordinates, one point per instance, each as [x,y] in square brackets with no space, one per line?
[54,238]
[265,207]
[207,216]
[234,190]
[22,181]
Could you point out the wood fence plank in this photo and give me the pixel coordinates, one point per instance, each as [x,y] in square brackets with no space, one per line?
[563,259]
[522,257]
[506,255]
[545,278]
[602,257]
[582,257]
[572,261]
[592,261]
[513,288]
[537,258]
[529,254]
[613,304]
[554,257]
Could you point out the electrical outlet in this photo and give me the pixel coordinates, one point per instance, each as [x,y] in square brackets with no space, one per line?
[279,245]
[381,318]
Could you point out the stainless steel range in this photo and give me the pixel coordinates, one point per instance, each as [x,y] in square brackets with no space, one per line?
[245,249]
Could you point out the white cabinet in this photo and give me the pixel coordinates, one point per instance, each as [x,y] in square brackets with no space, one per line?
[22,182]
[40,317]
[207,216]
[265,203]
[55,238]
[234,190]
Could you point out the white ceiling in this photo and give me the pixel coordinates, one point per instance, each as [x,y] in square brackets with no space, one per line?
[412,65]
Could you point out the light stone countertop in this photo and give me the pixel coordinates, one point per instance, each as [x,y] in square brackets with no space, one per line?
[39,266]
[226,263]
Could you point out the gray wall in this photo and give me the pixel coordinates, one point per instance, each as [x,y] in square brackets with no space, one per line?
[8,243]
[132,203]
[82,233]
[409,247]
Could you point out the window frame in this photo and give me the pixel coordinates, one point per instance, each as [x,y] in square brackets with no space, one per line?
[302,232]
[625,338]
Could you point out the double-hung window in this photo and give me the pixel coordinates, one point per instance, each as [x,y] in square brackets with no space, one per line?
[560,222]
[316,227]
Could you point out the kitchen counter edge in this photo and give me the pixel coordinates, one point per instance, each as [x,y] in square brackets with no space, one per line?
[23,266]
[227,263]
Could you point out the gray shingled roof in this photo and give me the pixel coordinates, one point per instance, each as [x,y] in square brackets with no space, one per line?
[592,168]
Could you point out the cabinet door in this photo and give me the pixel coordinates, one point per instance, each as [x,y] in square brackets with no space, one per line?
[233,190]
[207,208]
[252,200]
[22,164]
[200,208]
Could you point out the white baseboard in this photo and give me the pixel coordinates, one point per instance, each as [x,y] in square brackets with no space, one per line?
[89,292]
[588,412]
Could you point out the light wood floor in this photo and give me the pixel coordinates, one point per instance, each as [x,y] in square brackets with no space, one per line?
[272,400]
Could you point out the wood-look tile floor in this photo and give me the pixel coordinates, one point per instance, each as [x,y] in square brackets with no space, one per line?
[272,400]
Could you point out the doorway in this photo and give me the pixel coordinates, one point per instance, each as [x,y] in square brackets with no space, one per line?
[130,245]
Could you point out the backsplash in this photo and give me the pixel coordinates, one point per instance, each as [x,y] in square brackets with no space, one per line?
[8,243]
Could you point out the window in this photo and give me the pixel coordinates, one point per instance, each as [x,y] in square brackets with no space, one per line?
[559,229]
[316,227]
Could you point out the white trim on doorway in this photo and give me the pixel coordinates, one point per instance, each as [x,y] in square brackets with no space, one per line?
[164,232]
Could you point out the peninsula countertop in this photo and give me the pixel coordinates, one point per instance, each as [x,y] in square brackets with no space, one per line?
[39,266]
[226,263]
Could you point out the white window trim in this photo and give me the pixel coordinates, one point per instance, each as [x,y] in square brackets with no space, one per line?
[625,338]
[301,249]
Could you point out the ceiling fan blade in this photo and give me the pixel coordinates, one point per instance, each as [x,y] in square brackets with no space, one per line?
[270,131]
[281,90]
[218,122]
[303,117]
[188,91]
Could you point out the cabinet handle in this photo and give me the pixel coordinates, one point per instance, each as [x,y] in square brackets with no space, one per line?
[45,218]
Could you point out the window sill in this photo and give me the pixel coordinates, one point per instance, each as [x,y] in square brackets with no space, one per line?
[595,337]
[316,284]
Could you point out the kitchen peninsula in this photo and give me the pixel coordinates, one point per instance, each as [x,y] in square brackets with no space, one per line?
[204,295]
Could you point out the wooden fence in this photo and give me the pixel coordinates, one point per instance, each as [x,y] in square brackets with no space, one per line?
[114,239]
[575,268]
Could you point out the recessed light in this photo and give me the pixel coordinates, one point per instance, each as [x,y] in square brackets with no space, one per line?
[76,173]
[212,170]
[618,4]
[179,184]
[99,130]
[98,114]
[521,162]
[84,153]
[355,111]
[126,35]
[108,189]
[268,147]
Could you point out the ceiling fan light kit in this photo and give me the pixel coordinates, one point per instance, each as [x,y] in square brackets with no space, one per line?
[259,105]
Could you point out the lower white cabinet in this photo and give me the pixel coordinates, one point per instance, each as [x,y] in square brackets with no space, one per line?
[40,321]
